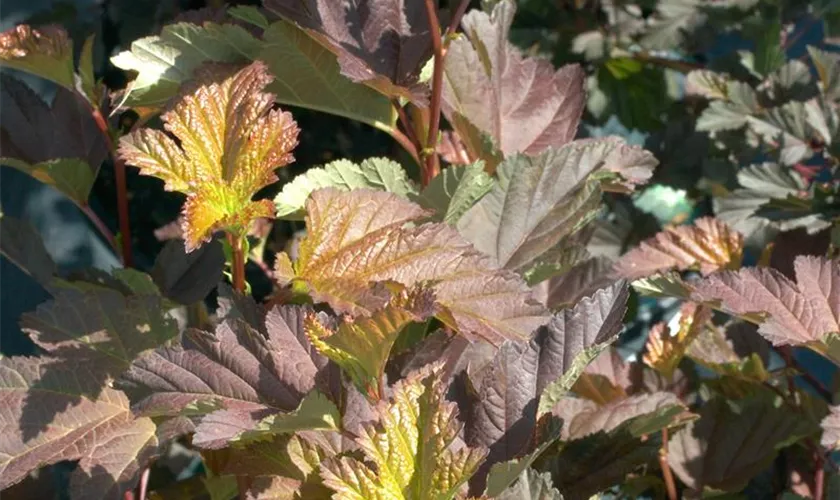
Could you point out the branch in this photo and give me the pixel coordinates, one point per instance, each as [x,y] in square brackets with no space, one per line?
[667,475]
[429,153]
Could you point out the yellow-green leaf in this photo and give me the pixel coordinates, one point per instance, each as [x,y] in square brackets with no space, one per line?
[410,446]
[230,142]
[361,346]
[71,176]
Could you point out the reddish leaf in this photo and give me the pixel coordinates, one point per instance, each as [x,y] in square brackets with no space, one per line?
[708,245]
[382,43]
[523,104]
[797,312]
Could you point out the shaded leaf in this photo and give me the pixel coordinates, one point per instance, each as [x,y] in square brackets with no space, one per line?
[362,346]
[532,485]
[47,419]
[227,152]
[478,299]
[796,312]
[315,412]
[708,245]
[539,200]
[410,447]
[58,144]
[99,326]
[374,173]
[21,244]
[455,191]
[733,441]
[46,51]
[382,43]
[640,414]
[524,381]
[580,281]
[503,475]
[185,277]
[521,103]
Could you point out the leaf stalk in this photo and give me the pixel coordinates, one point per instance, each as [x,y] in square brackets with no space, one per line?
[667,475]
[122,190]
[238,264]
[431,165]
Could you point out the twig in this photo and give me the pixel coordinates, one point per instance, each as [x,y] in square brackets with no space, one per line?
[681,66]
[406,143]
[429,153]
[667,475]
[819,475]
[122,190]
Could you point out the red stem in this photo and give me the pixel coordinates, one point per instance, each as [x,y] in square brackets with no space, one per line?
[819,475]
[429,153]
[406,123]
[122,190]
[406,143]
[144,483]
[456,18]
[667,475]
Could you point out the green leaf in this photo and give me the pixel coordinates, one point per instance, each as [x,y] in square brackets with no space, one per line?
[249,14]
[164,62]
[362,346]
[315,412]
[46,52]
[827,65]
[309,77]
[410,447]
[455,191]
[86,73]
[374,173]
[71,176]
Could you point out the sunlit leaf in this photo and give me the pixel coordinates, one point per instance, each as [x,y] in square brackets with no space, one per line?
[410,447]
[532,485]
[47,419]
[386,47]
[708,245]
[46,51]
[362,346]
[230,143]
[664,350]
[827,65]
[539,200]
[522,103]
[374,173]
[478,299]
[831,429]
[796,312]
[315,412]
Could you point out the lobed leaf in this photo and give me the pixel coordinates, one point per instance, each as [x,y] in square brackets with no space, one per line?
[382,43]
[373,173]
[521,103]
[230,143]
[185,277]
[532,485]
[798,312]
[831,429]
[48,418]
[708,245]
[540,200]
[410,446]
[477,298]
[22,245]
[46,52]
[664,350]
